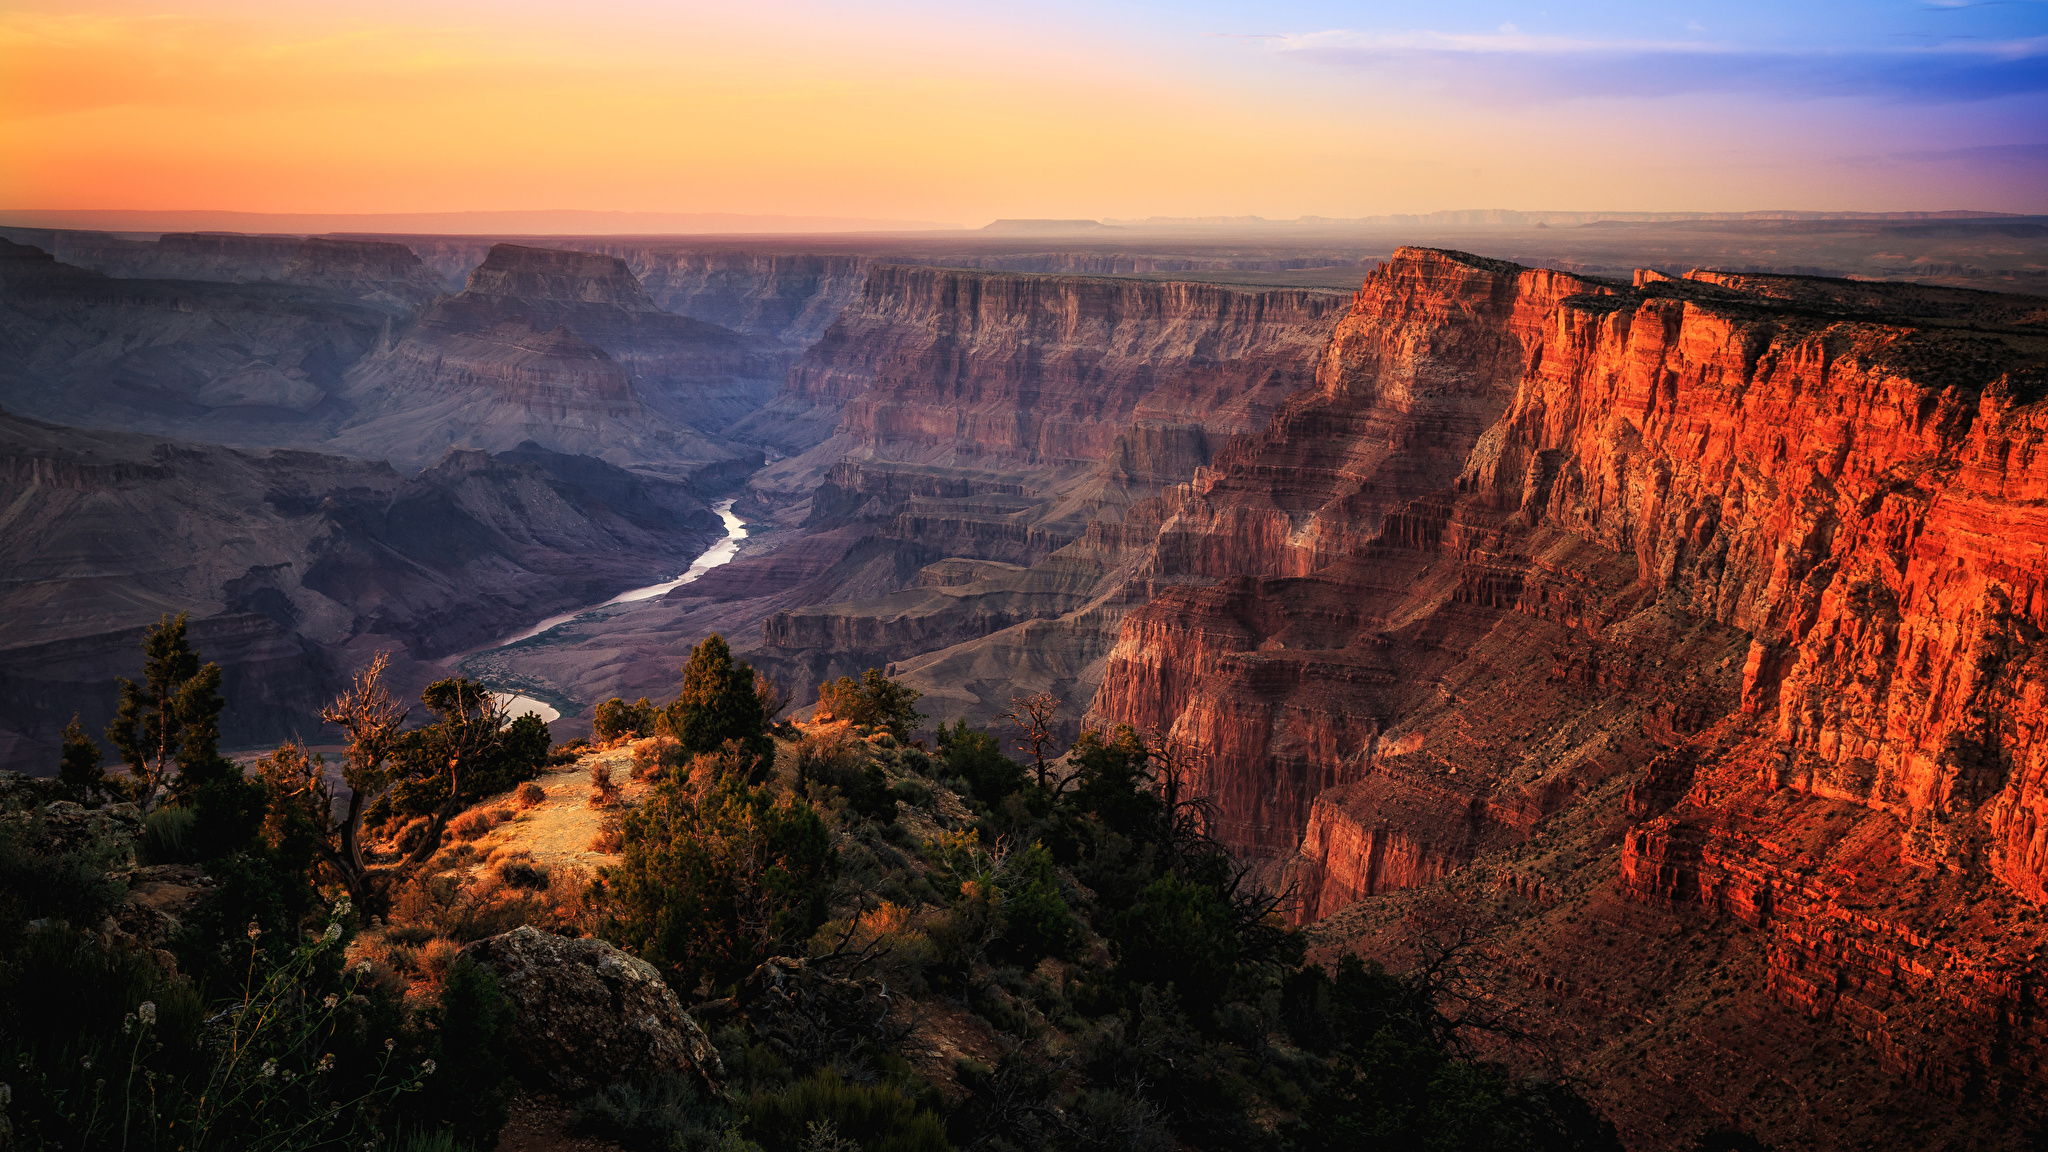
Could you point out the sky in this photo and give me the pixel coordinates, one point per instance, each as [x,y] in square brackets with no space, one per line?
[963,112]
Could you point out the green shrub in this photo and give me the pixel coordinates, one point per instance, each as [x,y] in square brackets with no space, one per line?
[878,1117]
[842,764]
[617,720]
[167,836]
[652,1113]
[471,1090]
[873,701]
[709,888]
[977,758]
[718,703]
[1179,933]
[39,883]
[1036,920]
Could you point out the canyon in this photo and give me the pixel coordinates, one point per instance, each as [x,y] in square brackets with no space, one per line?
[1594,609]
[1674,635]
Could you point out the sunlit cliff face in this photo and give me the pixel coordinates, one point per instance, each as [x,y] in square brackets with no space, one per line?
[930,113]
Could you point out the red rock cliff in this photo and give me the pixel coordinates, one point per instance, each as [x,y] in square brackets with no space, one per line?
[1737,580]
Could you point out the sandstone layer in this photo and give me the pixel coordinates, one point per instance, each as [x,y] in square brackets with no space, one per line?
[1596,604]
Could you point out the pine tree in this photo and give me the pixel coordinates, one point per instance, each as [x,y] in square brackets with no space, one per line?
[79,775]
[171,719]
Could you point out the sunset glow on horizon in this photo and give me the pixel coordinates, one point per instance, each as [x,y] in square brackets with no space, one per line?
[963,113]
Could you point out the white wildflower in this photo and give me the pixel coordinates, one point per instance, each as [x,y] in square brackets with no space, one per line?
[269,1069]
[389,1044]
[254,931]
[333,933]
[6,1095]
[427,1068]
[363,969]
[331,1001]
[146,1010]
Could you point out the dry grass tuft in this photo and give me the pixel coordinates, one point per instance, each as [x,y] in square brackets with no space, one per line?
[611,836]
[477,821]
[603,793]
[529,794]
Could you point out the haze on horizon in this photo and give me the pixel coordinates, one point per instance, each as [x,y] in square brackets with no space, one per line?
[920,111]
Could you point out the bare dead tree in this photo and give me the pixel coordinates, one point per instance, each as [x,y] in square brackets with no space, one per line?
[477,723]
[1034,715]
[773,696]
[371,718]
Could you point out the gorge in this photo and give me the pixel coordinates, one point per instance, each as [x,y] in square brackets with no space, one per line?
[1678,631]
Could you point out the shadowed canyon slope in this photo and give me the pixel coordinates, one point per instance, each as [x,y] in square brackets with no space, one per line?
[1604,609]
[293,565]
[565,348]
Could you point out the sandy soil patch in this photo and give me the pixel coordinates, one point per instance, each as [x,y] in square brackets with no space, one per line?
[560,828]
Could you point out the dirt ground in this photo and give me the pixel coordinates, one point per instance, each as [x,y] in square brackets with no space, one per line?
[559,829]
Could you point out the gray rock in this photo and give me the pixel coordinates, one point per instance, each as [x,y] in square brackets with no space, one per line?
[588,1014]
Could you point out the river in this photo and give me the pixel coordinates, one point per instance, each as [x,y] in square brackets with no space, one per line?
[721,552]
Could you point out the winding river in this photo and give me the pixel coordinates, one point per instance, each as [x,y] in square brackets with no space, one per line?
[719,553]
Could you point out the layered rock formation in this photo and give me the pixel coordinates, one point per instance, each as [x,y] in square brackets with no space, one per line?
[238,363]
[564,348]
[941,366]
[1585,601]
[293,563]
[792,297]
[994,417]
[960,543]
[383,274]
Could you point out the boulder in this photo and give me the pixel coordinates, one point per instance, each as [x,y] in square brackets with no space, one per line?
[587,1014]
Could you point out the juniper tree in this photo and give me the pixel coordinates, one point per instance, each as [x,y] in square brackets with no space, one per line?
[718,702]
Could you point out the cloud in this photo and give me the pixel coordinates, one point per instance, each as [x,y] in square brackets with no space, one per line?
[1513,65]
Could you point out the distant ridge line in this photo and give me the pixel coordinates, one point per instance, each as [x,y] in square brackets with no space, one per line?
[538,222]
[1515,218]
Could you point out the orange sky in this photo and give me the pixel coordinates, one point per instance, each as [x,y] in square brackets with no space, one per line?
[906,112]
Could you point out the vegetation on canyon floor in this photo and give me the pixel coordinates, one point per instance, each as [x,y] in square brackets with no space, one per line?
[891,947]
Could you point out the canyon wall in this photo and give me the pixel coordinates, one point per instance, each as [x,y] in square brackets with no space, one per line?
[566,349]
[294,565]
[945,366]
[234,363]
[1600,579]
[976,552]
[996,416]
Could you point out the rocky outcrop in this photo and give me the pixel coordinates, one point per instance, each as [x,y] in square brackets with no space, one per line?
[586,1015]
[1722,590]
[287,559]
